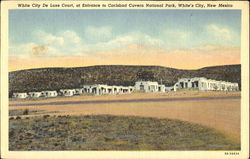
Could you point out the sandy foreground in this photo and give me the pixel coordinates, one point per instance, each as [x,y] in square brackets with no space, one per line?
[221,114]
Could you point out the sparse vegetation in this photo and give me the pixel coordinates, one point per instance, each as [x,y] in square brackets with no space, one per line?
[18,117]
[19,112]
[16,112]
[11,118]
[26,112]
[46,116]
[106,132]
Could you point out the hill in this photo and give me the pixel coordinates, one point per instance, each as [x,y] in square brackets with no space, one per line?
[58,78]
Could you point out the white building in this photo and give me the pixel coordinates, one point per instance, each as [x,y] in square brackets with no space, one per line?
[148,86]
[204,84]
[35,94]
[79,91]
[68,92]
[99,89]
[20,95]
[169,89]
[161,88]
[48,93]
[199,83]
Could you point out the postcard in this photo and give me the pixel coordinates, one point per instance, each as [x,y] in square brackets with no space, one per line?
[124,79]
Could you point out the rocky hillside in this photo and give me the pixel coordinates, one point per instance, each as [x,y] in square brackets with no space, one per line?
[57,78]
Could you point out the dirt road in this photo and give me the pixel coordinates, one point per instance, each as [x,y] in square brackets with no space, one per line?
[123,101]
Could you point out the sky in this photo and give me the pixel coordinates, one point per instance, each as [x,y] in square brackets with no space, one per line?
[185,39]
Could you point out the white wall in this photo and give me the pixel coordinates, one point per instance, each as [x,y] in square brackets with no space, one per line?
[205,84]
[20,95]
[146,86]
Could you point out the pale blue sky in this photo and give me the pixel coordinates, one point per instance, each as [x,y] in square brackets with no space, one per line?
[80,31]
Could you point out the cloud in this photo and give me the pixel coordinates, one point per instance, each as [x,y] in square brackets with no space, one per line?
[68,42]
[218,50]
[177,34]
[130,49]
[70,37]
[21,49]
[98,33]
[129,38]
[220,32]
[28,50]
[175,38]
[45,38]
[60,39]
[211,34]
[45,44]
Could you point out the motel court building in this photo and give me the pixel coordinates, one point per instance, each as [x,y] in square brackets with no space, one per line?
[204,84]
[99,89]
[149,86]
[21,95]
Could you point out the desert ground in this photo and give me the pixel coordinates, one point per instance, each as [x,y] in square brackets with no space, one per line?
[219,110]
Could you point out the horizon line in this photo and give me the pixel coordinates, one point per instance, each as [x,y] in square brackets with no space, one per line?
[124,65]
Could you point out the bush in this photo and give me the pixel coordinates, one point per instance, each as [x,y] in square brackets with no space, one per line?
[11,118]
[26,112]
[18,117]
[46,116]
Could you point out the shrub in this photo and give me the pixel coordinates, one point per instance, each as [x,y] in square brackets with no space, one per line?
[11,118]
[56,144]
[46,116]
[26,112]
[18,117]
